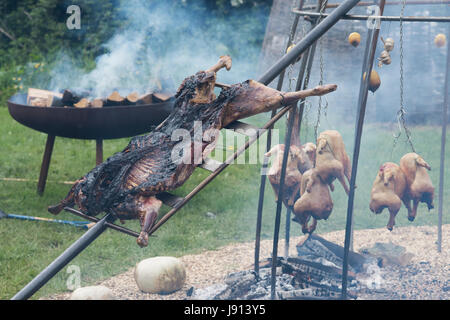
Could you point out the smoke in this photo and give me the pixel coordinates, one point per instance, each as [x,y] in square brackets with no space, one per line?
[160,45]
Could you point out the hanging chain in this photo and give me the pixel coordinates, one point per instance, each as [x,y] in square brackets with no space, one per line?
[306,113]
[401,113]
[290,77]
[319,109]
[321,67]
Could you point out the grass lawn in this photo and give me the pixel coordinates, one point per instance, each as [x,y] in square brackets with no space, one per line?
[27,247]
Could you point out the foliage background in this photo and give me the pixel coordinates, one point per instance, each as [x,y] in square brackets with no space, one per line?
[33,33]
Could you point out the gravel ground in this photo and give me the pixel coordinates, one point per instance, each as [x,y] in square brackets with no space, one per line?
[425,277]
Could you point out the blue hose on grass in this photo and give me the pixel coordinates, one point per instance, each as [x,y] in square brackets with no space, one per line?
[79,224]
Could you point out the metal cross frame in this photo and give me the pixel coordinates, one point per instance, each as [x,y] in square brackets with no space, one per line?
[306,47]
[369,56]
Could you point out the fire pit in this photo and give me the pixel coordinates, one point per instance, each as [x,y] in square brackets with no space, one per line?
[86,123]
[315,273]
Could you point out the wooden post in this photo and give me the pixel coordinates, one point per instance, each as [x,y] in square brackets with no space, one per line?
[45,164]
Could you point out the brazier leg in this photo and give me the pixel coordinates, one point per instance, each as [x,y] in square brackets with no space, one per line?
[98,151]
[45,164]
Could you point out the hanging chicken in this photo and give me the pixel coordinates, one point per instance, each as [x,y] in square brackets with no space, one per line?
[419,187]
[388,191]
[293,176]
[332,161]
[315,201]
[298,162]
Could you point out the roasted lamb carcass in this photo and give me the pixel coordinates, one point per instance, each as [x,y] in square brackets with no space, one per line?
[127,182]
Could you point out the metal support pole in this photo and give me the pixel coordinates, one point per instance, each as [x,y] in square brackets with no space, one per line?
[302,84]
[443,138]
[60,262]
[287,144]
[307,41]
[261,199]
[364,86]
[384,18]
[390,3]
[268,145]
[287,233]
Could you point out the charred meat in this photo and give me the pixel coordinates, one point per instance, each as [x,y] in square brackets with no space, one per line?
[127,182]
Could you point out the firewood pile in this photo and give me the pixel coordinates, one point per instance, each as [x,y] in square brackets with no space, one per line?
[72,99]
[314,274]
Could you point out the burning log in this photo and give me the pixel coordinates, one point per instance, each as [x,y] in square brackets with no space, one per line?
[296,279]
[160,97]
[115,99]
[315,246]
[132,98]
[146,99]
[128,182]
[44,98]
[97,103]
[69,98]
[83,103]
[41,98]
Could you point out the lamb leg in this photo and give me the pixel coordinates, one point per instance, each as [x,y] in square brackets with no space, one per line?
[292,97]
[148,212]
[258,98]
[68,201]
[224,62]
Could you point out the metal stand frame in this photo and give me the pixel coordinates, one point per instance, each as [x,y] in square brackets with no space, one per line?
[369,56]
[48,155]
[443,139]
[306,45]
[176,202]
